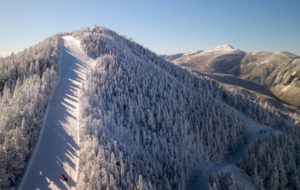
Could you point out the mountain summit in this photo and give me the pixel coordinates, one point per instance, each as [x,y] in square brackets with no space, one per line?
[221,49]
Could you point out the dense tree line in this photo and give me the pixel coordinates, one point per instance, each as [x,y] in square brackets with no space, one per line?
[274,162]
[146,123]
[265,111]
[27,79]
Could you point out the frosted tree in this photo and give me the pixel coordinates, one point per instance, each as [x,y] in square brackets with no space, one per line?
[26,83]
[152,123]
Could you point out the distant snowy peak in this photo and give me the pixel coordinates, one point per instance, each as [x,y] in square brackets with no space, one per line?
[185,57]
[216,51]
[225,48]
[220,49]
[272,70]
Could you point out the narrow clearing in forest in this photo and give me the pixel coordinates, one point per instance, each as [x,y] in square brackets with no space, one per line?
[57,150]
[255,130]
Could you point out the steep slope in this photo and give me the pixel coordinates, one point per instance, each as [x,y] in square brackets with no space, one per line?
[146,123]
[276,71]
[27,80]
[57,151]
[142,122]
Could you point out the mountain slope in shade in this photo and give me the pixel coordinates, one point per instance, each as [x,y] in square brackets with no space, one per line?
[278,72]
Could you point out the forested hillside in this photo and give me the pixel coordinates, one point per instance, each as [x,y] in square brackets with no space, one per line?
[274,162]
[26,82]
[147,124]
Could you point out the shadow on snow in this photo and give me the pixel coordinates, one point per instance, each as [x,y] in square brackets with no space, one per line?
[57,146]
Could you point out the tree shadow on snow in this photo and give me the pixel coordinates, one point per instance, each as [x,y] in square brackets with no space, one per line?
[58,143]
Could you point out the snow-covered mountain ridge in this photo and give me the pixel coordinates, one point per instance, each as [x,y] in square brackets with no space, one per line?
[149,109]
[144,123]
[225,48]
[129,69]
[276,71]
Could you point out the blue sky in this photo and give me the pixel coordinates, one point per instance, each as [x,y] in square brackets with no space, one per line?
[164,26]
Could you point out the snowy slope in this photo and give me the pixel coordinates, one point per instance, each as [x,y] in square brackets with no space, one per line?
[210,53]
[221,59]
[57,151]
[278,72]
[144,122]
[180,58]
[148,124]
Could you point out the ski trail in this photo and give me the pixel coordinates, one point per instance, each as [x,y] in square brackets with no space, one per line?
[57,150]
[255,130]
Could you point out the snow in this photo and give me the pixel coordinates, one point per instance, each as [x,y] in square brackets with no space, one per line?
[57,150]
[185,57]
[219,50]
[255,130]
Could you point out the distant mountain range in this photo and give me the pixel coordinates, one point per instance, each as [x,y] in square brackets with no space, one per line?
[278,72]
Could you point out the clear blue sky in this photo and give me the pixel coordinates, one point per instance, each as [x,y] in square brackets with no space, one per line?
[164,26]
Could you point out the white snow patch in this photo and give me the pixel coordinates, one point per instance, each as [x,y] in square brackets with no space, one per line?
[221,49]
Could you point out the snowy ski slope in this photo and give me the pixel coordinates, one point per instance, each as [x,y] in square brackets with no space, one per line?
[57,150]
